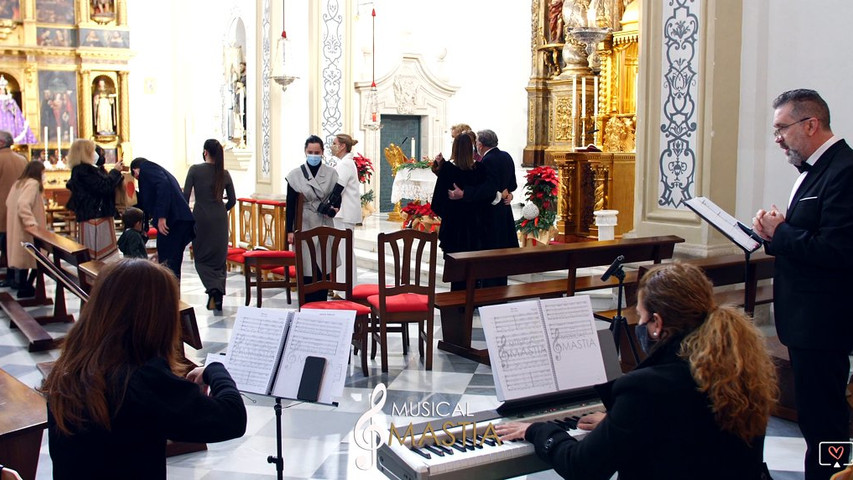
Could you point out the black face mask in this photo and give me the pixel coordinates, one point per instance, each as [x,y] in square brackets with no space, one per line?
[646,343]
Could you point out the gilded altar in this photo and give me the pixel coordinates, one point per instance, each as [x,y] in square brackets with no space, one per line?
[577,99]
[64,72]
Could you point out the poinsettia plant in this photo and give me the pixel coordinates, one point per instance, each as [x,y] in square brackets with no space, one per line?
[542,188]
[364,167]
[418,215]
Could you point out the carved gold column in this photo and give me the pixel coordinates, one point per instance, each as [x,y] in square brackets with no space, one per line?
[83,16]
[86,93]
[121,12]
[124,117]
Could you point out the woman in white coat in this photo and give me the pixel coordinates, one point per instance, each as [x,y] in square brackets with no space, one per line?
[350,213]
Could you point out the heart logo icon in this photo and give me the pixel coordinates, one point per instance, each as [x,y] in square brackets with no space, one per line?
[836,452]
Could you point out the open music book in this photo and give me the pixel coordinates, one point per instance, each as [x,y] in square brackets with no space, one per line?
[728,225]
[269,347]
[542,346]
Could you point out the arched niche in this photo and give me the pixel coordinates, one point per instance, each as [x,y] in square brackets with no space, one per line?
[234,98]
[105,119]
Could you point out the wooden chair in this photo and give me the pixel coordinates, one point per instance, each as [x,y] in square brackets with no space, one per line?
[261,262]
[407,297]
[317,251]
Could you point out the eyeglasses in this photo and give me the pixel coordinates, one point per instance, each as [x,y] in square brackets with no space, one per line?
[778,132]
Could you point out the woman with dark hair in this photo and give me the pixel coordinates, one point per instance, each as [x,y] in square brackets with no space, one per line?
[93,194]
[461,222]
[114,395]
[315,181]
[697,407]
[25,213]
[208,180]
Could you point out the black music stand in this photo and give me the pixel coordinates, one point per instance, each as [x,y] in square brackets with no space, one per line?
[741,235]
[619,324]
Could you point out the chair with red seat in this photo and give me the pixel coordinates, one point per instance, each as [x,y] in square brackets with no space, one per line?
[317,251]
[262,262]
[405,296]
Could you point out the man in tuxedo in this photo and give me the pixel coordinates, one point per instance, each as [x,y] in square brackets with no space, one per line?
[813,245]
[497,190]
[162,199]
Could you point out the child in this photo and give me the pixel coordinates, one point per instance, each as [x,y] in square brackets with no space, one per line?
[132,241]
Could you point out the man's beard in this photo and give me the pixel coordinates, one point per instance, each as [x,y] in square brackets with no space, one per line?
[795,158]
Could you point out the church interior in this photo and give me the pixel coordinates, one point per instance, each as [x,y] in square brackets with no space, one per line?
[637,105]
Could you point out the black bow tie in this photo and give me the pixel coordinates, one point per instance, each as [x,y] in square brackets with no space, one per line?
[804,167]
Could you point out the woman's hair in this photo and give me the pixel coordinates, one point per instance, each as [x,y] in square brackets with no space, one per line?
[459,128]
[346,140]
[463,152]
[726,353]
[214,150]
[33,170]
[117,332]
[314,139]
[81,152]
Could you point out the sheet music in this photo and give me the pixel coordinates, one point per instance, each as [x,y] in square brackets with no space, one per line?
[255,347]
[319,333]
[574,342]
[518,350]
[722,221]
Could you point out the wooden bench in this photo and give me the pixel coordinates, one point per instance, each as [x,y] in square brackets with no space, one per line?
[457,307]
[22,420]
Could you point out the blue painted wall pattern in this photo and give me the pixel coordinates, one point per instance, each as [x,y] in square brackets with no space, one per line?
[331,70]
[266,121]
[680,65]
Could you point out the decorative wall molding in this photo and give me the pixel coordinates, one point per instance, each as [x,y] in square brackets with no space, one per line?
[679,97]
[332,69]
[263,175]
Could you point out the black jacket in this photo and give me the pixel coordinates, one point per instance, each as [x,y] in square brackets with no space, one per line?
[461,222]
[658,426]
[499,225]
[158,405]
[93,193]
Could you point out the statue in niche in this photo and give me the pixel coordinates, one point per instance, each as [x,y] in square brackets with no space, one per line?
[102,11]
[103,109]
[236,89]
[11,118]
[555,21]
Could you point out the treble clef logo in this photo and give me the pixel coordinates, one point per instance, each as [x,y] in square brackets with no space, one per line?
[502,353]
[366,435]
[558,348]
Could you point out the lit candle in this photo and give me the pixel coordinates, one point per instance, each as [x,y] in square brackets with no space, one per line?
[71,134]
[45,140]
[583,97]
[574,109]
[413,148]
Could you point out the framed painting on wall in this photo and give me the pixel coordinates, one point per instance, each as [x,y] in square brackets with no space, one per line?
[58,97]
[56,37]
[10,9]
[55,11]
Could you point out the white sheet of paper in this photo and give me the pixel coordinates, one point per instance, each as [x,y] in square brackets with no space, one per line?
[255,347]
[318,333]
[574,342]
[722,221]
[518,350]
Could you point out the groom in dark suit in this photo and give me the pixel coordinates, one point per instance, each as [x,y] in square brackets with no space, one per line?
[813,245]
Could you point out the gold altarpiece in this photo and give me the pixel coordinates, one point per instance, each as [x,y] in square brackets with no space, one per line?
[66,64]
[570,108]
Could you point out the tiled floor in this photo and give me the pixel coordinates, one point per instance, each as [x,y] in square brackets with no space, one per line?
[318,440]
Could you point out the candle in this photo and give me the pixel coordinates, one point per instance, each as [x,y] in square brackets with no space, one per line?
[574,108]
[71,134]
[45,141]
[595,96]
[58,136]
[413,148]
[583,97]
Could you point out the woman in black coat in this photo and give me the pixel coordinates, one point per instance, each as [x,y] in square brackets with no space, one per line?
[93,199]
[696,408]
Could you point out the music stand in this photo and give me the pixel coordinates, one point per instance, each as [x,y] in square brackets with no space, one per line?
[741,235]
[619,324]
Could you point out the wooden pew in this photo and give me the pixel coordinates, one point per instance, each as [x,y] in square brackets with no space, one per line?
[457,308]
[22,420]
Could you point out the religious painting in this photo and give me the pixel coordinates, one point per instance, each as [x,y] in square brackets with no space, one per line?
[38,154]
[110,155]
[12,119]
[55,11]
[10,9]
[104,38]
[48,157]
[58,95]
[102,11]
[56,37]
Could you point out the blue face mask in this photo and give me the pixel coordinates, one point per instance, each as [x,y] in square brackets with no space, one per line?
[314,160]
[646,343]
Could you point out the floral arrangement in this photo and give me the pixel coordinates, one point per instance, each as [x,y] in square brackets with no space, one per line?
[367,198]
[411,164]
[420,216]
[540,213]
[364,167]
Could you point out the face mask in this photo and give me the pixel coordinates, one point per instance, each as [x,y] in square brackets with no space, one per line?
[646,343]
[335,149]
[94,157]
[314,160]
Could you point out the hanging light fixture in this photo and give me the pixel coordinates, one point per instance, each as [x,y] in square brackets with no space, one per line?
[372,95]
[279,64]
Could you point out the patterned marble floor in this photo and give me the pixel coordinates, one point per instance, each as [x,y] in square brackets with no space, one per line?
[318,440]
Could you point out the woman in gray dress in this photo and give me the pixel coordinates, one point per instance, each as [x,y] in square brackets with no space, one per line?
[208,180]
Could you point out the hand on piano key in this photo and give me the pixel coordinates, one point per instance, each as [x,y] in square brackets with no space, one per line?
[511,431]
[590,421]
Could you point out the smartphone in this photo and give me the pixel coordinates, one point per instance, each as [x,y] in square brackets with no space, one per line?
[312,376]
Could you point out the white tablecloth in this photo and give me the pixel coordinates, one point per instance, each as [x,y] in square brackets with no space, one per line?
[413,183]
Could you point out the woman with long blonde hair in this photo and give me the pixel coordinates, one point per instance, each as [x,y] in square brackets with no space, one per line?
[696,408]
[114,395]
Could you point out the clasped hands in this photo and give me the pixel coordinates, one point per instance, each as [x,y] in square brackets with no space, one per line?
[457,193]
[764,223]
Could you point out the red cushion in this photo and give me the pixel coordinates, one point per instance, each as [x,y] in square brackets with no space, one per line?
[270,254]
[280,271]
[404,302]
[152,232]
[338,305]
[363,291]
[276,203]
[235,257]
[235,251]
[247,200]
